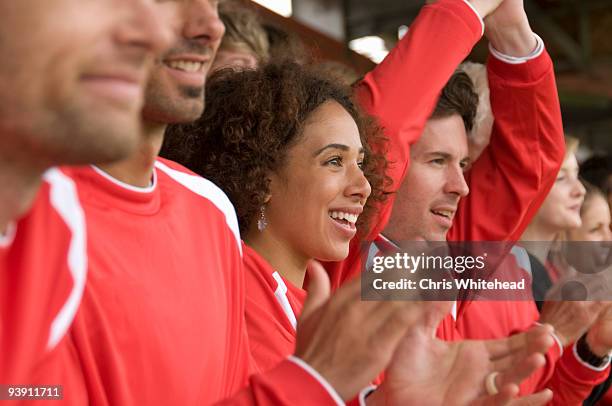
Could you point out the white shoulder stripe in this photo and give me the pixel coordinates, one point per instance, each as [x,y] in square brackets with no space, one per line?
[283,301]
[205,188]
[8,236]
[65,201]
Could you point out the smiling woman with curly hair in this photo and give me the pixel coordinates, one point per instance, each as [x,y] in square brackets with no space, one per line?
[294,154]
[258,117]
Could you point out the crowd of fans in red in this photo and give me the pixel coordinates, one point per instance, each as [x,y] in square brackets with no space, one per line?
[189,201]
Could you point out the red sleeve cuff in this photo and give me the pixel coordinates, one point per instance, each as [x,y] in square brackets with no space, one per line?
[553,356]
[296,385]
[574,367]
[529,72]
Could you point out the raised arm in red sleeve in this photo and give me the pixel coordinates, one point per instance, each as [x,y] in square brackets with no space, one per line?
[514,174]
[402,92]
[516,171]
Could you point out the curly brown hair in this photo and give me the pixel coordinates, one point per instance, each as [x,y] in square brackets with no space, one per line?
[253,118]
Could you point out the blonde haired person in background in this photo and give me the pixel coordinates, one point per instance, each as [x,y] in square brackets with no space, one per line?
[245,44]
[595,215]
[480,134]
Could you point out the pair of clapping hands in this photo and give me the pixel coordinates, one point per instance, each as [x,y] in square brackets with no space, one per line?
[350,342]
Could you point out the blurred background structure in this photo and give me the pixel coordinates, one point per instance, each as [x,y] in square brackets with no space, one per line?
[578,35]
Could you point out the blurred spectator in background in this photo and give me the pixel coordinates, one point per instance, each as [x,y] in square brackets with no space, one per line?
[595,215]
[559,213]
[572,212]
[597,170]
[286,45]
[480,134]
[245,44]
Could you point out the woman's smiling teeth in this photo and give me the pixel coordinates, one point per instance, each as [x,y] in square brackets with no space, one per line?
[186,66]
[340,215]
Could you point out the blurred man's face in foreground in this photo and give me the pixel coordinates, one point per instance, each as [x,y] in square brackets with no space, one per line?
[72,76]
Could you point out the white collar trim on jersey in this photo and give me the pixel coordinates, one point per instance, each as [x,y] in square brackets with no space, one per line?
[7,237]
[389,241]
[127,186]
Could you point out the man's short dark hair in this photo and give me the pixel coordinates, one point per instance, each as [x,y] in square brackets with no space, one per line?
[458,97]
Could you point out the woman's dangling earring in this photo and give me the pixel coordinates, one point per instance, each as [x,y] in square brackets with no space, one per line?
[262,222]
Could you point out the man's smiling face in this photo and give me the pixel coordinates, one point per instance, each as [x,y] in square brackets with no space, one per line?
[427,200]
[175,93]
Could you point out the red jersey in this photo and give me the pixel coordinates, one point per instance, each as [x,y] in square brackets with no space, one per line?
[162,317]
[570,379]
[272,308]
[43,265]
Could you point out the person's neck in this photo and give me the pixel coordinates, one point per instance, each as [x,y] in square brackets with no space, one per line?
[537,240]
[285,261]
[137,169]
[20,181]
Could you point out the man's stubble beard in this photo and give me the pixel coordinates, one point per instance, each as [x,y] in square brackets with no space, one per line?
[161,108]
[73,135]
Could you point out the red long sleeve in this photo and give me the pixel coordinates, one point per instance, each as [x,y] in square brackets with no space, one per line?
[514,174]
[402,92]
[573,381]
